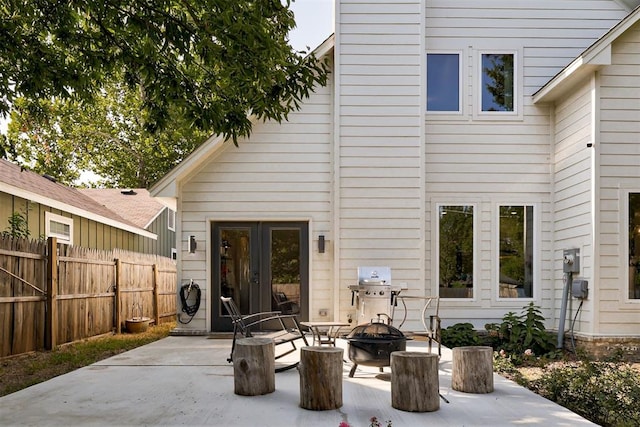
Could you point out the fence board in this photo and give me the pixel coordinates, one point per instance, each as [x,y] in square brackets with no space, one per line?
[85,298]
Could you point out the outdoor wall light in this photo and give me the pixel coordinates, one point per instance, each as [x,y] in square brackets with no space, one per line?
[321,243]
[192,244]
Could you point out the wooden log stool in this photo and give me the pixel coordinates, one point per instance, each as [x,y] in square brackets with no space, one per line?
[415,386]
[254,370]
[320,378]
[472,369]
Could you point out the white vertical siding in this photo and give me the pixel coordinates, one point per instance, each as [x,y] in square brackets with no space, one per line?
[380,121]
[619,172]
[504,160]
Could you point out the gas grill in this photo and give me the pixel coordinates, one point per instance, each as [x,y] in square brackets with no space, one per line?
[373,294]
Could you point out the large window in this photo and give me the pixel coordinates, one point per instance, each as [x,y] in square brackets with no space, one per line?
[498,82]
[634,245]
[455,251]
[60,227]
[443,82]
[516,252]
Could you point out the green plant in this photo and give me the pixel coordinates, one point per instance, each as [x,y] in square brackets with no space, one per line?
[18,226]
[522,333]
[606,393]
[459,335]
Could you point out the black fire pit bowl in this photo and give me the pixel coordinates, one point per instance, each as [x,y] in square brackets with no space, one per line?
[373,343]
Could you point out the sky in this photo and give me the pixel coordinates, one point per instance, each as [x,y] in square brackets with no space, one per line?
[314,23]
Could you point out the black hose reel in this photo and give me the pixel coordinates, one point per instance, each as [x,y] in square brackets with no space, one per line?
[188,292]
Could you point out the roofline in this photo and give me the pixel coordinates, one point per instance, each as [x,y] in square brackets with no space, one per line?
[594,57]
[56,204]
[166,187]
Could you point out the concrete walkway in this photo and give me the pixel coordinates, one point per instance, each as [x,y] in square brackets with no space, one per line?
[187,381]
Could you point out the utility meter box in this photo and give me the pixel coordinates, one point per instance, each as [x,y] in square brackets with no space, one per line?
[571,261]
[580,288]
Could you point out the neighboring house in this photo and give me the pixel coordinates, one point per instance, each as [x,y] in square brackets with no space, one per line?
[466,145]
[139,208]
[53,209]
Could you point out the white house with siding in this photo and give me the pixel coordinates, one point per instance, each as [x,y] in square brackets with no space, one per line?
[467,145]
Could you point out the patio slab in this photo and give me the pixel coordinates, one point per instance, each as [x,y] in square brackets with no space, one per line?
[187,381]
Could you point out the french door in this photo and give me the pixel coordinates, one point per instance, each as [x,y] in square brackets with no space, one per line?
[258,264]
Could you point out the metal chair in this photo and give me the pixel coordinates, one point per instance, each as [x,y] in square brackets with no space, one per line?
[430,311]
[284,329]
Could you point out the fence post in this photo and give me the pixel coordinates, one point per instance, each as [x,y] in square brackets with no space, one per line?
[156,306]
[117,301]
[51,317]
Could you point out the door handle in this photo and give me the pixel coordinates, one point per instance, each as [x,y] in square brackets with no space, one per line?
[256,278]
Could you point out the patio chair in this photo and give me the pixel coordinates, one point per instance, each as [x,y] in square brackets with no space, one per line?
[284,329]
[429,317]
[282,303]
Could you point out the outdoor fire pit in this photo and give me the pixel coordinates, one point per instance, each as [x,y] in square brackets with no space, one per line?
[373,343]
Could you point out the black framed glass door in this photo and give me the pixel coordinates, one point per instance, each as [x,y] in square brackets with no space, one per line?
[263,266]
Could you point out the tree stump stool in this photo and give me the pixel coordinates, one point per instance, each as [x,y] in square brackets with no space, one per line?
[415,386]
[472,369]
[254,371]
[320,378]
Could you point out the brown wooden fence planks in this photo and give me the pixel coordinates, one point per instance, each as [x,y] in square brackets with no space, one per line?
[42,307]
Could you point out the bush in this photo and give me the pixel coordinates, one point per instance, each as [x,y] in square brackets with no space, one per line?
[522,336]
[459,335]
[606,393]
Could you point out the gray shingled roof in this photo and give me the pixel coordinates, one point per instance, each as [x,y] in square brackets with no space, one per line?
[48,190]
[136,205]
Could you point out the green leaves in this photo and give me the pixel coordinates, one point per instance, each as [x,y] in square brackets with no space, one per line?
[211,61]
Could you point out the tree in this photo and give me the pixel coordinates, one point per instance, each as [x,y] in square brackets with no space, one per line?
[211,62]
[62,137]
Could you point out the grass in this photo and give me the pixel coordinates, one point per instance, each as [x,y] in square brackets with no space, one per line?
[25,370]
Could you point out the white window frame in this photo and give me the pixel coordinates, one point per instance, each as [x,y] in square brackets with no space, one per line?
[50,217]
[535,267]
[171,219]
[461,85]
[476,287]
[518,100]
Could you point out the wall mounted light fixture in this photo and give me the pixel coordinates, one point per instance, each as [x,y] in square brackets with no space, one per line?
[192,244]
[321,243]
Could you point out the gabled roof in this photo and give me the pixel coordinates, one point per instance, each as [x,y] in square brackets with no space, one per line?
[594,57]
[31,186]
[166,188]
[134,205]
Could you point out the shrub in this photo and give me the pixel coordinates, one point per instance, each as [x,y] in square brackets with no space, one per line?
[606,393]
[459,335]
[522,335]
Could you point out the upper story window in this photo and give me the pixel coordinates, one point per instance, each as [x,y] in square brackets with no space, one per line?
[455,251]
[60,227]
[515,256]
[443,82]
[497,82]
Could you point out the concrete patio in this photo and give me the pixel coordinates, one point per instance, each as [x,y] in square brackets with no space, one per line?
[187,381]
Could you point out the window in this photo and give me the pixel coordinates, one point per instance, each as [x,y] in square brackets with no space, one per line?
[516,252]
[60,227]
[171,219]
[443,82]
[456,251]
[634,246]
[497,83]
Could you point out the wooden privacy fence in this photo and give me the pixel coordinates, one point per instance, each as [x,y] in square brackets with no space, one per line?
[50,297]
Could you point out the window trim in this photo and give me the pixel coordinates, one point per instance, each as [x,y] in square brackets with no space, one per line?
[461,85]
[51,217]
[625,238]
[518,99]
[475,269]
[535,268]
[171,214]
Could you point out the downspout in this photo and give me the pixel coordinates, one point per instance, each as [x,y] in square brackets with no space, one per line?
[567,279]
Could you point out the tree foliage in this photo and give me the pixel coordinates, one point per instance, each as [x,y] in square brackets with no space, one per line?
[210,62]
[63,137]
